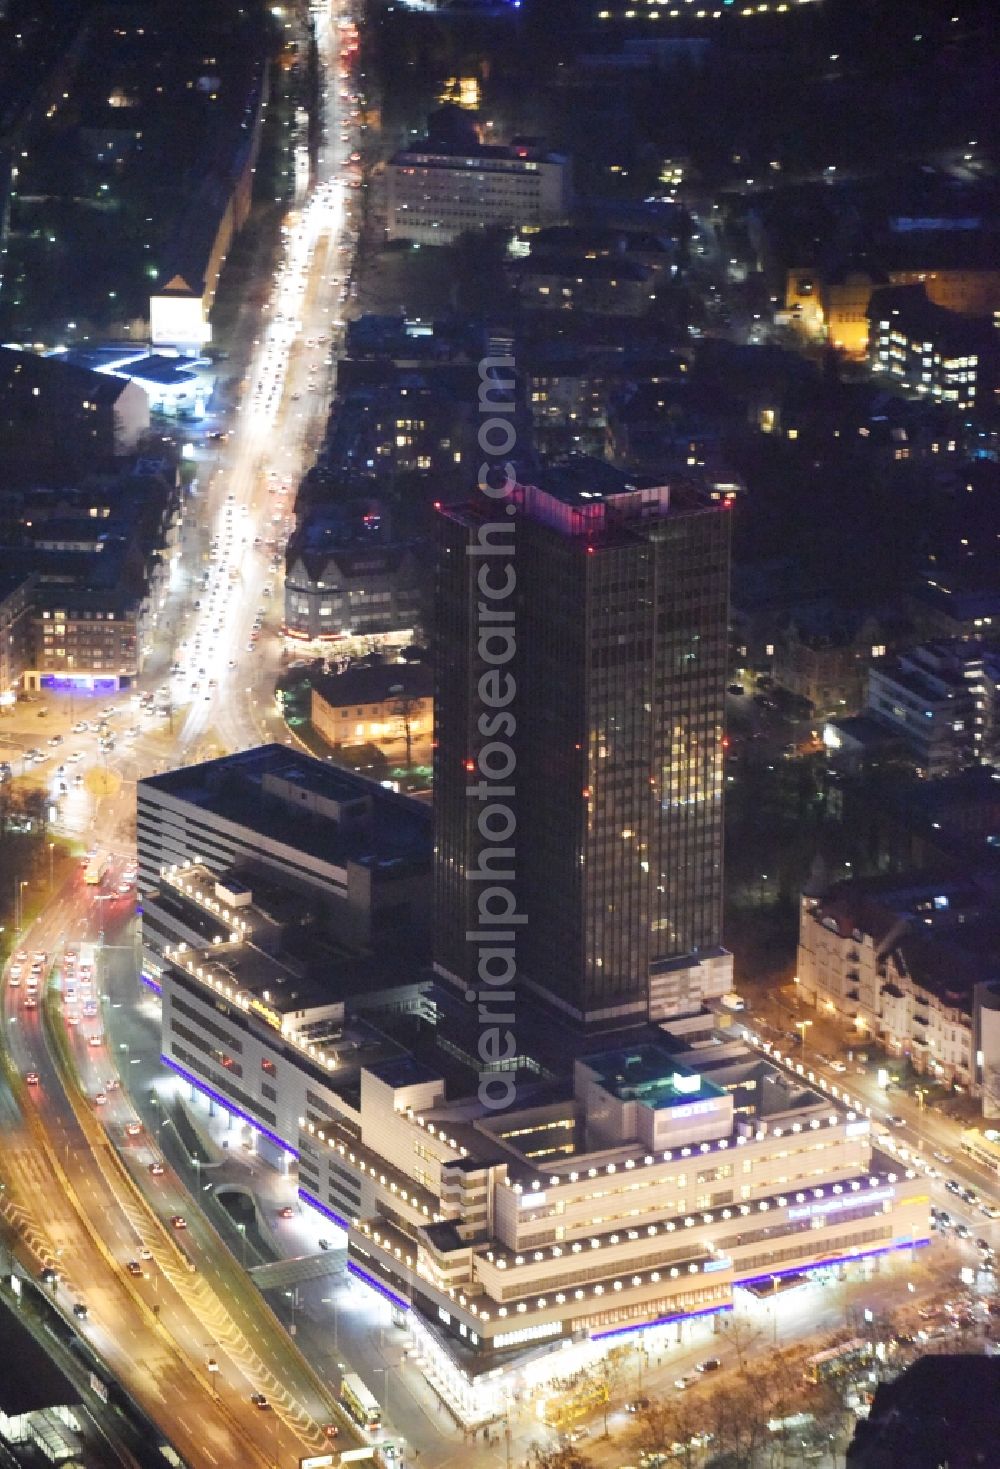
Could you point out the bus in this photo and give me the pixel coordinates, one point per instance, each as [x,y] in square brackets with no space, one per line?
[360,1403]
[96,868]
[835,1360]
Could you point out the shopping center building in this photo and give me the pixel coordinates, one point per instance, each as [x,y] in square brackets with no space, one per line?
[643,1182]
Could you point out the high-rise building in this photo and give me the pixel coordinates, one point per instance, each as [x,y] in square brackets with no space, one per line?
[620,615]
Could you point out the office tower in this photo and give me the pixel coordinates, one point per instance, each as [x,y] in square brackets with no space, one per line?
[621,615]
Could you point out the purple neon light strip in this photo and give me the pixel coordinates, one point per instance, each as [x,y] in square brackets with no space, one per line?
[757,1279]
[660,1321]
[376,1285]
[228,1106]
[151,983]
[914,1244]
[322,1209]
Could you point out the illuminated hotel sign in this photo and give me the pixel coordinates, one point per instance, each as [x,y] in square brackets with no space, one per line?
[846,1201]
[695,1109]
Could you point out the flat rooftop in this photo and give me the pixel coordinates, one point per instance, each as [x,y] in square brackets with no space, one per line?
[651,1075]
[235,788]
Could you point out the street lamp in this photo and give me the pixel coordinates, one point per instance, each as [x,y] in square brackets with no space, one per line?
[52,852]
[803,1025]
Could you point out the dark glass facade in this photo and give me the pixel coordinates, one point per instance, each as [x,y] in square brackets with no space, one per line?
[621,629]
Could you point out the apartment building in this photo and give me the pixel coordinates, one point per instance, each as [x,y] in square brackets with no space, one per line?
[930,351]
[905,962]
[438,190]
[941,699]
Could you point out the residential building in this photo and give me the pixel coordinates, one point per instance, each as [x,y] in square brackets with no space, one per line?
[942,699]
[390,705]
[957,269]
[598,285]
[823,656]
[358,855]
[17,589]
[929,350]
[56,416]
[621,614]
[346,580]
[903,960]
[446,185]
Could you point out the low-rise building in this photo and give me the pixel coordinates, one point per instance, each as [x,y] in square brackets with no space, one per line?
[17,591]
[451,183]
[346,582]
[55,416]
[941,698]
[357,855]
[390,705]
[929,350]
[902,960]
[598,285]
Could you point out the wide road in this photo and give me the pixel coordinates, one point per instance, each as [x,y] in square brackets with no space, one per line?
[74,1177]
[70,1204]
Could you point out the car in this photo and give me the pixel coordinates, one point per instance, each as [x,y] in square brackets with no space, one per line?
[710,1364]
[637,1405]
[145,1253]
[48,1275]
[177,1221]
[55,740]
[895,1121]
[95,1040]
[990,1210]
[734,688]
[81,727]
[31,1003]
[133,1129]
[260,1401]
[39,957]
[838,1066]
[14,977]
[331,1430]
[101,1098]
[133,1267]
[31,1078]
[79,1310]
[985,1246]
[952,1186]
[963,1231]
[680,1383]
[287,1212]
[124,888]
[943,1157]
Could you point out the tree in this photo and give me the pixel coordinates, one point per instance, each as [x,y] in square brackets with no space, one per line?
[405,707]
[744,1336]
[560,1458]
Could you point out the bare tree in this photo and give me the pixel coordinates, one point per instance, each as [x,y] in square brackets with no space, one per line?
[744,1336]
[560,1458]
[405,707]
